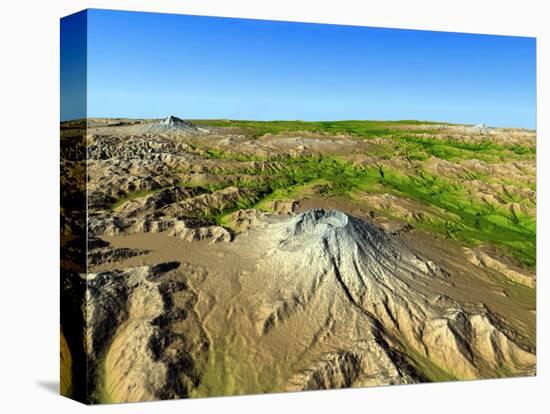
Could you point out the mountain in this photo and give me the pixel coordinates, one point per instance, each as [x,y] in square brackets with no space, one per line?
[317,300]
[173,124]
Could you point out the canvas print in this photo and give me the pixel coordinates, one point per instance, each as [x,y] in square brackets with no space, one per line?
[252,206]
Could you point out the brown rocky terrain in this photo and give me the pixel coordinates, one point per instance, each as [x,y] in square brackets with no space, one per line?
[215,260]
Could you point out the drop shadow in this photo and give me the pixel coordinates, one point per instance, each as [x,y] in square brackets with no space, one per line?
[50,386]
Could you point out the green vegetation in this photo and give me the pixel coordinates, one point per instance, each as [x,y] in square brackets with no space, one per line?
[409,139]
[469,220]
[507,223]
[489,151]
[363,129]
[476,222]
[432,372]
[227,366]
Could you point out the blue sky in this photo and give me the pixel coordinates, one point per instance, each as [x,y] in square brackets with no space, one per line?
[152,65]
[73,54]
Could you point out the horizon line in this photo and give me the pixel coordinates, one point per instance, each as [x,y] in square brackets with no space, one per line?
[435,122]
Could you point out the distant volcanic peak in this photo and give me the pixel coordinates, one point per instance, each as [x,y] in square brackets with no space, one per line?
[173,124]
[174,121]
[481,128]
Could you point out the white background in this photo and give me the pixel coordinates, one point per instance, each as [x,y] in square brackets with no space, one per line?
[29,200]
